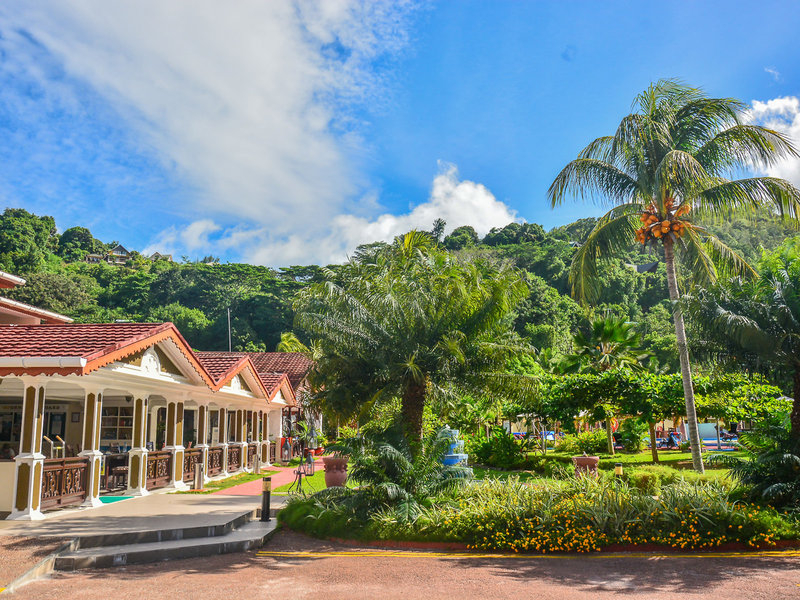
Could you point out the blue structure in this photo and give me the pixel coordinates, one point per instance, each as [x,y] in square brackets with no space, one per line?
[456,455]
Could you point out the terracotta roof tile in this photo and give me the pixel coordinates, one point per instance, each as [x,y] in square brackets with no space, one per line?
[294,364]
[221,364]
[74,340]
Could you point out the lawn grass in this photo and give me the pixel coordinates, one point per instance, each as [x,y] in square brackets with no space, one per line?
[311,485]
[671,458]
[223,484]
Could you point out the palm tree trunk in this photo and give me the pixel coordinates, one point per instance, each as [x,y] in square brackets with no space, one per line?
[795,418]
[413,402]
[683,355]
[653,446]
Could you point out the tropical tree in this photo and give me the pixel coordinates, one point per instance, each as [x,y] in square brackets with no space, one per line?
[415,323]
[671,158]
[612,344]
[758,319]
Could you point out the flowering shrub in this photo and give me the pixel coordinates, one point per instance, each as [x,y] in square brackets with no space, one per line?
[572,516]
[586,515]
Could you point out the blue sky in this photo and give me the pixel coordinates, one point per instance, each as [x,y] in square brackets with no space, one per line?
[289,132]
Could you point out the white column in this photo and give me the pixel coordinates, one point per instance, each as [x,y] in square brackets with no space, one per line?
[92,411]
[222,419]
[30,460]
[137,455]
[202,437]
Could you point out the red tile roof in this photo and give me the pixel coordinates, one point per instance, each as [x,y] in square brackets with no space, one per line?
[294,364]
[47,316]
[7,280]
[221,364]
[99,344]
[271,380]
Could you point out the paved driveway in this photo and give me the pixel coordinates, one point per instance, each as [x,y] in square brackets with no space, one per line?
[297,567]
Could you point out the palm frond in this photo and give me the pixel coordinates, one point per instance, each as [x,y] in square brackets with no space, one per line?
[614,232]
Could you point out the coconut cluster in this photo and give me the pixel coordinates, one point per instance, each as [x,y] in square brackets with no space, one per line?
[655,225]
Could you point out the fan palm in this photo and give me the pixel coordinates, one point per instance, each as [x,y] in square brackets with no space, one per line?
[412,322]
[612,344]
[758,318]
[668,160]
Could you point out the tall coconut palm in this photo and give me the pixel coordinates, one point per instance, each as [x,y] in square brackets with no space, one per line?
[412,322]
[669,159]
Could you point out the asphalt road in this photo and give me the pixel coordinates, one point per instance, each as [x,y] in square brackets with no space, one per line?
[294,566]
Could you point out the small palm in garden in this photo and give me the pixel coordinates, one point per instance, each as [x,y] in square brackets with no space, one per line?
[391,476]
[770,466]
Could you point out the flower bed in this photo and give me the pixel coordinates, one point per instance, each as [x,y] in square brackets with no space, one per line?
[580,516]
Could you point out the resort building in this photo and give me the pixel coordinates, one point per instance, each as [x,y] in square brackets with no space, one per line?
[91,409]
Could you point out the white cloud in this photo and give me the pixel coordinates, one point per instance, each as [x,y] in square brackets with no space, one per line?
[783,115]
[249,103]
[456,201]
[776,75]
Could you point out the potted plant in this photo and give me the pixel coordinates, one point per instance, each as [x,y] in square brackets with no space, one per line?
[335,470]
[585,465]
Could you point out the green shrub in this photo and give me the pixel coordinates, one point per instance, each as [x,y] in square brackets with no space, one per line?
[592,442]
[632,433]
[568,444]
[500,450]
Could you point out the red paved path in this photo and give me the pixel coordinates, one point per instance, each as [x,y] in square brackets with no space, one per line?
[413,576]
[253,488]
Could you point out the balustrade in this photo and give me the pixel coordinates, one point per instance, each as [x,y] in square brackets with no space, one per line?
[234,458]
[191,457]
[64,481]
[214,461]
[159,467]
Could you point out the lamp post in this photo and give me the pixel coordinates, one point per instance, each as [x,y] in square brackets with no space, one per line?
[266,492]
[286,452]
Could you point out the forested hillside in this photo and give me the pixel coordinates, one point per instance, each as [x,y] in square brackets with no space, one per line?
[196,295]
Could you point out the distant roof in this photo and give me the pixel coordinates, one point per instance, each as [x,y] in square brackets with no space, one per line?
[7,280]
[219,363]
[294,364]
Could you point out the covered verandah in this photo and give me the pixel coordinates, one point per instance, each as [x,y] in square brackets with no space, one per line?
[132,426]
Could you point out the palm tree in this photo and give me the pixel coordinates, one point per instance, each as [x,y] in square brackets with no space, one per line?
[412,322]
[612,344]
[668,159]
[758,319]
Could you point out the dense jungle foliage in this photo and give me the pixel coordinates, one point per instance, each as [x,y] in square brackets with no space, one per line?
[195,295]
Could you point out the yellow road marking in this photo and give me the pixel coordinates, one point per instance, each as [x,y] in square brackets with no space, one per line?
[422,554]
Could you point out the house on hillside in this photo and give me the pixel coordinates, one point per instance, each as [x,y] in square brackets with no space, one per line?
[118,255]
[158,256]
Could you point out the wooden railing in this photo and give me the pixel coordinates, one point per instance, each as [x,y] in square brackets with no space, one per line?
[159,467]
[191,457]
[64,481]
[234,458]
[272,451]
[214,461]
[252,449]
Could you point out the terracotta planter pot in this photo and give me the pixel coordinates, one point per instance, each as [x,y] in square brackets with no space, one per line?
[335,471]
[585,465]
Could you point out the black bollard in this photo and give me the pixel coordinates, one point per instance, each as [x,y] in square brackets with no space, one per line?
[266,491]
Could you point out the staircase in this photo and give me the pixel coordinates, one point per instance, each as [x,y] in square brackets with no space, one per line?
[239,534]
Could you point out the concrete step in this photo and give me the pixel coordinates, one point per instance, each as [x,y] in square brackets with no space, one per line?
[248,536]
[166,535]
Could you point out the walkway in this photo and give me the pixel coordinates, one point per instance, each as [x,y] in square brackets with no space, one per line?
[332,571]
[253,488]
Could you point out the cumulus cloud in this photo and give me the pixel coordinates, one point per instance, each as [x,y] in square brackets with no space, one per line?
[250,104]
[783,115]
[458,202]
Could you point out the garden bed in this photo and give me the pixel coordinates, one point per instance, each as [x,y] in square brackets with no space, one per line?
[587,515]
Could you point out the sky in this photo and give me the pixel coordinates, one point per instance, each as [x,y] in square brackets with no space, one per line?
[284,133]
